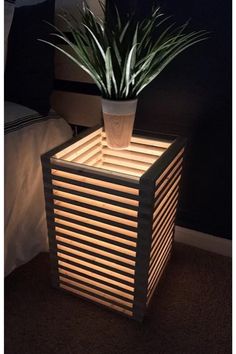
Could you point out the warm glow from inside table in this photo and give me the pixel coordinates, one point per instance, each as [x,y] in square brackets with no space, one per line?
[98,215]
[93,151]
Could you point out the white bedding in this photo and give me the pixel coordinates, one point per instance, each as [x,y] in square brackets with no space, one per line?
[27,137]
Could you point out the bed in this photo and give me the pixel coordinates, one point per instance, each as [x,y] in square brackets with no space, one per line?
[31,128]
[28,135]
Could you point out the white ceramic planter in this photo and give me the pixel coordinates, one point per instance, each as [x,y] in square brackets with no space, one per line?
[118,119]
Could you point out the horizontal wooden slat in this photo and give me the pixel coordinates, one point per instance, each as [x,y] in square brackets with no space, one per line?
[95,159]
[81,191]
[135,156]
[163,227]
[94,260]
[161,199]
[80,154]
[161,260]
[104,227]
[92,267]
[176,169]
[93,182]
[171,211]
[169,167]
[94,251]
[77,197]
[121,161]
[165,237]
[151,141]
[82,158]
[92,171]
[90,239]
[106,216]
[160,143]
[95,236]
[162,208]
[93,298]
[98,174]
[154,271]
[157,169]
[142,148]
[96,232]
[173,198]
[111,224]
[163,253]
[162,268]
[96,284]
[65,153]
[167,187]
[95,270]
[98,206]
[96,292]
[122,169]
[103,280]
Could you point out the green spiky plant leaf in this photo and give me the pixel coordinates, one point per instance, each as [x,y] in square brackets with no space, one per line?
[124,59]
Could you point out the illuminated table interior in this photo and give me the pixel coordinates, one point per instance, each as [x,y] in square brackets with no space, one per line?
[111,216]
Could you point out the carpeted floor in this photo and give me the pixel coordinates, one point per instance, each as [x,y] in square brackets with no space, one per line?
[190,312]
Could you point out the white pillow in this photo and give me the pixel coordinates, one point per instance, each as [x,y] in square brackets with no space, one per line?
[9,7]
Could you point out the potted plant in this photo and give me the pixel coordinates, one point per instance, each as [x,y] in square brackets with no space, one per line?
[123,59]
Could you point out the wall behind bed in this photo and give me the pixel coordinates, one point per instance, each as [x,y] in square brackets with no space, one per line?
[75,96]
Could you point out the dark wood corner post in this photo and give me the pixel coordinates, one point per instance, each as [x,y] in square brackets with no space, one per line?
[49,207]
[145,218]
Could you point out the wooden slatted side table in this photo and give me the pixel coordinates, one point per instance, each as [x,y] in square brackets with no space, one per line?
[111,216]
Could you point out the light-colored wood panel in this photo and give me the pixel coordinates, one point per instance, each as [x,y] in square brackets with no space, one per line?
[162,253]
[90,248]
[65,153]
[161,231]
[91,258]
[161,188]
[108,227]
[135,156]
[153,282]
[167,235]
[95,276]
[94,150]
[97,213]
[96,182]
[96,283]
[126,162]
[171,164]
[122,169]
[107,206]
[81,149]
[95,299]
[95,267]
[80,236]
[164,144]
[90,192]
[167,194]
[95,159]
[95,291]
[165,209]
[162,268]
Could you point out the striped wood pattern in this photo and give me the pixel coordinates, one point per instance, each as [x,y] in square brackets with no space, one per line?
[93,150]
[163,220]
[110,216]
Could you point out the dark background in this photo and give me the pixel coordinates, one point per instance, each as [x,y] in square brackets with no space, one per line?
[192,97]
